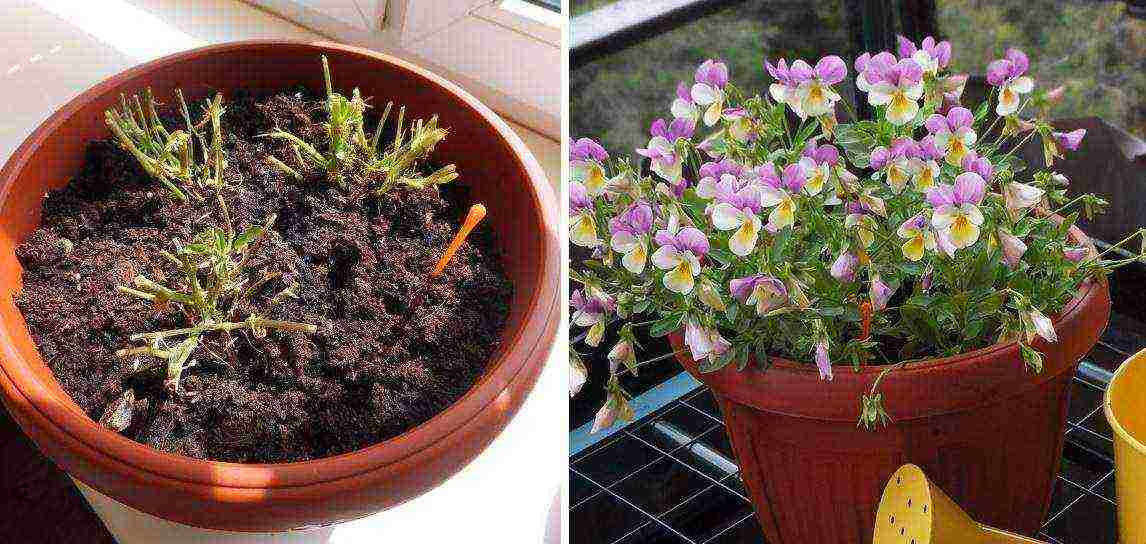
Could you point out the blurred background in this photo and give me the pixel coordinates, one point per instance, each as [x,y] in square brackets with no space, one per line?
[622,79]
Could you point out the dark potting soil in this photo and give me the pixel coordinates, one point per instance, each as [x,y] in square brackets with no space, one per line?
[376,367]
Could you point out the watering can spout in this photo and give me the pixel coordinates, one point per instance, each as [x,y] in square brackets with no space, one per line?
[915,511]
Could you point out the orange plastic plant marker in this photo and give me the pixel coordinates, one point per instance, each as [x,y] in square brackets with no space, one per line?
[475,215]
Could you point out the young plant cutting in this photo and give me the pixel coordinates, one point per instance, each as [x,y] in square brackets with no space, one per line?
[265,277]
[828,274]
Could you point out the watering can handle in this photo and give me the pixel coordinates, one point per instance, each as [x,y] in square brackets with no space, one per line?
[1004,537]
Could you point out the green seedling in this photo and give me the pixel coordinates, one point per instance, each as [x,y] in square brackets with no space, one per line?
[348,147]
[213,290]
[170,156]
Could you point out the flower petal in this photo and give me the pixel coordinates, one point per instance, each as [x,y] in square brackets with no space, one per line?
[744,241]
[725,216]
[680,279]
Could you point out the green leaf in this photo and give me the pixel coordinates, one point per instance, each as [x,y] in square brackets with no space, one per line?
[722,256]
[666,325]
[640,306]
[246,237]
[707,365]
[780,244]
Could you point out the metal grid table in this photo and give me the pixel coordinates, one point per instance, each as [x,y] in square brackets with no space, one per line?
[671,477]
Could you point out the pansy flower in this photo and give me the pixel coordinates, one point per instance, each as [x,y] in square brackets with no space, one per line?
[703,342]
[1075,254]
[680,253]
[1036,323]
[879,293]
[818,163]
[898,87]
[815,94]
[683,106]
[582,221]
[931,56]
[844,267]
[823,362]
[718,168]
[861,218]
[979,165]
[786,90]
[661,150]
[1019,196]
[924,167]
[739,125]
[920,238]
[630,232]
[739,211]
[591,307]
[764,292]
[781,197]
[1070,140]
[953,133]
[895,163]
[948,91]
[1009,75]
[1013,247]
[957,213]
[876,62]
[587,161]
[708,91]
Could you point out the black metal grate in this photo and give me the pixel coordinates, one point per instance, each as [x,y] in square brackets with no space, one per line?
[671,477]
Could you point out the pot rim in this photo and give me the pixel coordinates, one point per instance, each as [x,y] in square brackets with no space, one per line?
[848,381]
[116,452]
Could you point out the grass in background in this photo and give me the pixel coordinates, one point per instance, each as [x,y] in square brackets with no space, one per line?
[1097,49]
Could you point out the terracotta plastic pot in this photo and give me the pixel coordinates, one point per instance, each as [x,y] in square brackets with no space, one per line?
[983,428]
[274,497]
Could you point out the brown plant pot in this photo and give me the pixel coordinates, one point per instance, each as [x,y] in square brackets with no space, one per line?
[984,429]
[275,497]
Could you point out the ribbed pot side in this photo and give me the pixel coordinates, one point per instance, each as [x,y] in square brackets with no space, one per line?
[984,429]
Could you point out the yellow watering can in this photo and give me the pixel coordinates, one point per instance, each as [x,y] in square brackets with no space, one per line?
[915,511]
[1126,410]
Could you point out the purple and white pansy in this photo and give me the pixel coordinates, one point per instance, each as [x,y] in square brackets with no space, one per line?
[630,232]
[956,212]
[704,343]
[953,133]
[919,237]
[582,218]
[931,56]
[818,163]
[1008,74]
[924,166]
[786,89]
[738,209]
[895,164]
[682,106]
[816,94]
[765,293]
[781,197]
[661,149]
[898,86]
[680,253]
[708,91]
[587,162]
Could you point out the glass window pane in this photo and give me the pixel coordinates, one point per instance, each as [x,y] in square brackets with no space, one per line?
[614,98]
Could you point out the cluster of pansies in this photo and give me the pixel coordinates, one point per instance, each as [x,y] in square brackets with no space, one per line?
[787,227]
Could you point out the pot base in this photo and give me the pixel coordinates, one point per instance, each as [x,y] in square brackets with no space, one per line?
[130,526]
